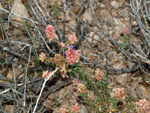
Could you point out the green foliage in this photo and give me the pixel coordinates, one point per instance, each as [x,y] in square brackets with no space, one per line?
[17,35]
[2,60]
[37,62]
[28,25]
[56,10]
[103,99]
[126,40]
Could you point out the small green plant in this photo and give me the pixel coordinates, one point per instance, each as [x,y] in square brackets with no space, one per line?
[36,61]
[17,35]
[56,10]
[94,91]
[126,40]
[2,60]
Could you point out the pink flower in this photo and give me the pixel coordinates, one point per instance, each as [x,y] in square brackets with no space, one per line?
[73,39]
[75,82]
[45,74]
[125,31]
[119,93]
[142,106]
[64,110]
[72,55]
[50,32]
[75,108]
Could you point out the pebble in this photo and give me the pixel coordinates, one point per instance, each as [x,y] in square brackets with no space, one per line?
[91,34]
[135,23]
[20,66]
[115,4]
[89,39]
[87,16]
[96,37]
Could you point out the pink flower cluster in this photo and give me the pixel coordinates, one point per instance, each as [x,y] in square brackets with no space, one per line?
[50,32]
[119,93]
[142,106]
[45,74]
[64,110]
[73,39]
[76,108]
[75,82]
[125,31]
[72,55]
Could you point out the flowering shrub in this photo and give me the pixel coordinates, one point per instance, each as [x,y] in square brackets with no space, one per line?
[42,57]
[64,110]
[72,55]
[142,106]
[76,108]
[81,88]
[119,93]
[66,62]
[73,39]
[75,82]
[50,32]
[99,75]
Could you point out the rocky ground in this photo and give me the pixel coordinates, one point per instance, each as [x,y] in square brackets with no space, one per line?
[107,17]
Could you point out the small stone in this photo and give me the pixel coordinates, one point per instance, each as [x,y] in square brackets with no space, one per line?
[102,5]
[83,109]
[19,9]
[20,66]
[111,32]
[142,92]
[91,34]
[101,46]
[126,19]
[89,39]
[59,2]
[131,64]
[10,74]
[118,66]
[72,25]
[122,79]
[87,16]
[115,4]
[95,42]
[96,37]
[135,23]
[15,60]
[112,54]
[132,93]
[68,18]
